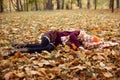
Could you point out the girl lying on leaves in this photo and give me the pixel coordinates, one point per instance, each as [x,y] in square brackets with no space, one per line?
[53,38]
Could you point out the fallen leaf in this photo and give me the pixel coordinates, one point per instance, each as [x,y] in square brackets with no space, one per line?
[66,48]
[81,55]
[78,67]
[20,74]
[102,64]
[8,75]
[17,55]
[107,74]
[51,76]
[88,52]
[74,46]
[32,72]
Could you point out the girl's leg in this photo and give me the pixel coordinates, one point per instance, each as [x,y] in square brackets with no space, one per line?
[44,43]
[36,45]
[33,50]
[49,47]
[25,50]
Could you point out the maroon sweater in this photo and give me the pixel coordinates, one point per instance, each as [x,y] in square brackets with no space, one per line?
[55,37]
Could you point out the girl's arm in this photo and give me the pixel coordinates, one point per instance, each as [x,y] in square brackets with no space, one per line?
[74,38]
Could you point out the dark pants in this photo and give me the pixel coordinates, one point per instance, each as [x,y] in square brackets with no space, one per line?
[44,45]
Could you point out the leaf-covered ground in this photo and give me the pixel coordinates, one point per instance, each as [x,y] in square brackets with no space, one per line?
[62,63]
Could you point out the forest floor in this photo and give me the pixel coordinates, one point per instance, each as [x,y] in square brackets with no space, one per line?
[62,63]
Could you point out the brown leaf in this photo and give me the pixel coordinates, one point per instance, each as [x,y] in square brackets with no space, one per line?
[107,74]
[20,74]
[81,55]
[78,67]
[72,52]
[88,63]
[54,70]
[88,52]
[51,76]
[17,55]
[32,72]
[102,64]
[43,62]
[74,62]
[45,56]
[66,48]
[98,57]
[74,46]
[8,75]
